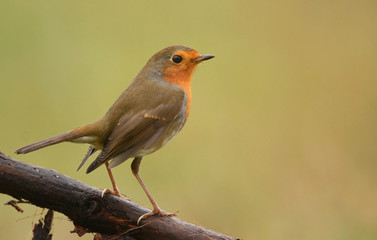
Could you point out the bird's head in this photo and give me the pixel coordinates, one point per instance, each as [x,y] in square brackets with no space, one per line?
[176,64]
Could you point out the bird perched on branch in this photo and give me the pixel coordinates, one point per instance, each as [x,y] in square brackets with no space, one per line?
[147,115]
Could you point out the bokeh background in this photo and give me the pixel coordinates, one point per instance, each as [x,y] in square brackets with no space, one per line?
[281,140]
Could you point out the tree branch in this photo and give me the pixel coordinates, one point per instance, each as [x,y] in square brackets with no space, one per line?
[84,205]
[42,229]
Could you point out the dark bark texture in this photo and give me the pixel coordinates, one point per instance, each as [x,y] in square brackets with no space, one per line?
[42,229]
[111,217]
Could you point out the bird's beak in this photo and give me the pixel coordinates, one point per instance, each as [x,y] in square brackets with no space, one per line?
[201,58]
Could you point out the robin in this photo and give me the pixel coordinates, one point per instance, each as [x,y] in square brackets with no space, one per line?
[146,116]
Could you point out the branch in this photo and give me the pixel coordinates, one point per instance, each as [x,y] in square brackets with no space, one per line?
[84,205]
[43,228]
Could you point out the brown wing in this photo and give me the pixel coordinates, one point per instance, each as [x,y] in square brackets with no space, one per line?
[136,131]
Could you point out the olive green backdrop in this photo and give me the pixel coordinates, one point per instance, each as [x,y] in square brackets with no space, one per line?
[281,140]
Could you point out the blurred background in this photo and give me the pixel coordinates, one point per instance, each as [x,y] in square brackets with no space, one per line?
[281,140]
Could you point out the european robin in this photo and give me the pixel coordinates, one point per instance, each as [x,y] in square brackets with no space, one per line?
[147,115]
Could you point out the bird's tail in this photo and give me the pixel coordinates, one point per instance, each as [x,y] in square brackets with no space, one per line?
[48,142]
[73,136]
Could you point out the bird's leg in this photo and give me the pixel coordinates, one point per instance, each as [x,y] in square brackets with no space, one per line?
[156,210]
[115,190]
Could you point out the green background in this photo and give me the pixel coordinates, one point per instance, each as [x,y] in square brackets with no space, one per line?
[281,140]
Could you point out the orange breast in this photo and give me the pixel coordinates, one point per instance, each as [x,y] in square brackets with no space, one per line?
[181,74]
[186,85]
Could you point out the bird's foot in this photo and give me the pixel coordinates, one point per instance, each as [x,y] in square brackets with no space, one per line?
[114,192]
[155,211]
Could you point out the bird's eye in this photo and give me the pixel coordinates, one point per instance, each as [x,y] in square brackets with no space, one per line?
[176,59]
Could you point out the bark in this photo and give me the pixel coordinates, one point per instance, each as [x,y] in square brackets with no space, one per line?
[111,217]
[42,230]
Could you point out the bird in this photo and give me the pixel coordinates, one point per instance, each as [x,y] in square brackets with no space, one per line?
[146,116]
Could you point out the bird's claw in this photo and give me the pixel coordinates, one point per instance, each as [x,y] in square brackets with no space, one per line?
[157,211]
[114,192]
